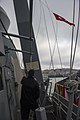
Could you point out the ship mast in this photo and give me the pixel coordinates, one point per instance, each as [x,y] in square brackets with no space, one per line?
[31,10]
[25,28]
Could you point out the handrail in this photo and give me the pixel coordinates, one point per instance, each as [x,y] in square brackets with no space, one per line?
[17,36]
[63,104]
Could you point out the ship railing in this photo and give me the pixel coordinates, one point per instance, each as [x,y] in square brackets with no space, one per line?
[61,104]
[17,36]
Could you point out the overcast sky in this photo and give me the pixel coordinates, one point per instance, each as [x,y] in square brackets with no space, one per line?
[65,9]
[63,31]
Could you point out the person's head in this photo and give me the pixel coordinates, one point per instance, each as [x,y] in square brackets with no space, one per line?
[31,73]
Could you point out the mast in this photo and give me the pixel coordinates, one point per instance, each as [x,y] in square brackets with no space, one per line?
[31,10]
[24,22]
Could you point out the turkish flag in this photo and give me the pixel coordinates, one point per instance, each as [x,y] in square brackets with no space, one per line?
[58,17]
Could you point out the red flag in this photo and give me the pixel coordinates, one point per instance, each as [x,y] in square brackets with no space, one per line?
[58,17]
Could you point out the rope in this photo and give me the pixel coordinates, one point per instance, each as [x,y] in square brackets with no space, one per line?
[72,39]
[39,19]
[54,34]
[76,36]
[34,8]
[39,23]
[47,35]
[56,42]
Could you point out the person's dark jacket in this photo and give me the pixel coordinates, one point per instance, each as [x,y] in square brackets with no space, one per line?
[30,92]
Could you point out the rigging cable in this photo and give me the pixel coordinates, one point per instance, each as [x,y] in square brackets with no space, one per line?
[47,35]
[34,8]
[39,24]
[56,42]
[43,102]
[76,35]
[55,35]
[72,39]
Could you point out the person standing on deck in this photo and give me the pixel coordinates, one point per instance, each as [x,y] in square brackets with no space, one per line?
[29,95]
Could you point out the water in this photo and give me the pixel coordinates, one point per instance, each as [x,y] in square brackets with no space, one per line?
[53,81]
